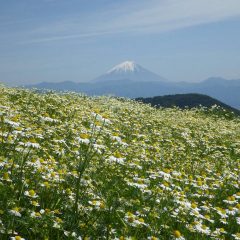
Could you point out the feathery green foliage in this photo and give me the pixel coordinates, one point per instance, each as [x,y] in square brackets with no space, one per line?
[75,167]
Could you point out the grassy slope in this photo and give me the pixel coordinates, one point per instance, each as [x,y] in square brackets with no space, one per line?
[103,168]
[189,100]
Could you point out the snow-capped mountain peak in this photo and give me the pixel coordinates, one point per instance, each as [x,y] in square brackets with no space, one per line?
[129,71]
[127,66]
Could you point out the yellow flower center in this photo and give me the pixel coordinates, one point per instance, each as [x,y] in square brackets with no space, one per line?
[102,205]
[177,234]
[204,227]
[117,155]
[16,209]
[31,193]
[6,176]
[193,205]
[38,214]
[232,198]
[84,136]
[34,203]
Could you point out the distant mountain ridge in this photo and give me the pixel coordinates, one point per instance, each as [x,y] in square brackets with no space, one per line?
[131,80]
[226,91]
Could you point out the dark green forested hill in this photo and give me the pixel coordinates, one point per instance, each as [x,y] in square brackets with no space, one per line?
[190,100]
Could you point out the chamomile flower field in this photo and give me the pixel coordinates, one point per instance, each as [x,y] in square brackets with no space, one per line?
[77,167]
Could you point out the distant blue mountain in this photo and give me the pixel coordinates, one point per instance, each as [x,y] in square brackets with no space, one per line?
[131,80]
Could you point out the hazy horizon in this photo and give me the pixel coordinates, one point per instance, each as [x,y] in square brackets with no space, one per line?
[54,41]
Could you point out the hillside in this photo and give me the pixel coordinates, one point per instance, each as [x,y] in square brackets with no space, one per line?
[190,100]
[78,167]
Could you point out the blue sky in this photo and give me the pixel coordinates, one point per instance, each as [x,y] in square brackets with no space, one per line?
[77,40]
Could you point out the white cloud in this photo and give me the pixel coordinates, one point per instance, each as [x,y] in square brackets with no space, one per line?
[140,16]
[70,36]
[164,15]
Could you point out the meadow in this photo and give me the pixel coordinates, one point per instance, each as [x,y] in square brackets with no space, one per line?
[78,167]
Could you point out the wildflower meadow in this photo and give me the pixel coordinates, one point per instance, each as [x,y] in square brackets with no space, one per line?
[78,167]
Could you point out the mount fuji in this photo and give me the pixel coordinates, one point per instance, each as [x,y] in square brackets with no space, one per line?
[131,80]
[129,70]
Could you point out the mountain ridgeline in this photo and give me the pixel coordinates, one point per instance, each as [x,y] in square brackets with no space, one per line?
[131,80]
[183,101]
